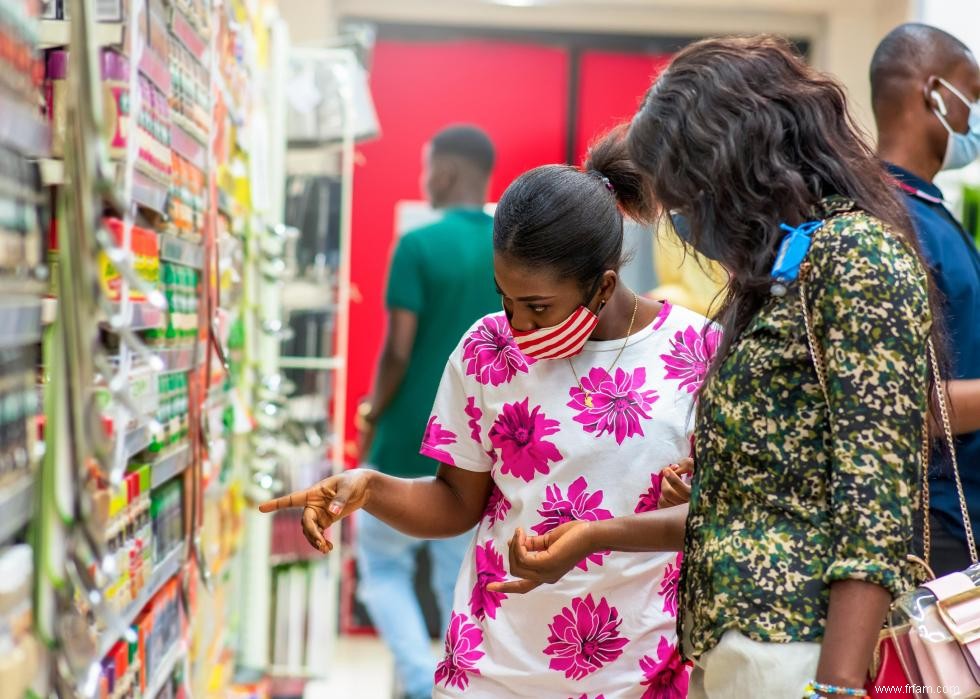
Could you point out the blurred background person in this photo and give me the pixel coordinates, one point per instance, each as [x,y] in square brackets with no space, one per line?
[439,283]
[925,87]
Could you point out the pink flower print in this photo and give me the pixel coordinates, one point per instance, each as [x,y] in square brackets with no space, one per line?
[584,637]
[474,414]
[690,355]
[435,437]
[497,506]
[650,499]
[557,509]
[490,353]
[612,405]
[489,569]
[463,641]
[665,310]
[667,676]
[668,586]
[519,436]
[586,696]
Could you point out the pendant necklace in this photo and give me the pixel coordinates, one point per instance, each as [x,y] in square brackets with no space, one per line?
[629,331]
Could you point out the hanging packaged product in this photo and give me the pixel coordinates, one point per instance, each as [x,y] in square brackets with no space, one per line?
[115,90]
[114,70]
[145,247]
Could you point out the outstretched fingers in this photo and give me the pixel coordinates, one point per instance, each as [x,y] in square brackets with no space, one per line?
[299,498]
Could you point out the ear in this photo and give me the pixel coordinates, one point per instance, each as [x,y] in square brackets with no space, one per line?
[610,280]
[934,100]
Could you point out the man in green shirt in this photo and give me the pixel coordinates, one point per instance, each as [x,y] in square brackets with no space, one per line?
[439,284]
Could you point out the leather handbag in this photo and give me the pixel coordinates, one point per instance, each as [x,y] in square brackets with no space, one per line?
[931,642]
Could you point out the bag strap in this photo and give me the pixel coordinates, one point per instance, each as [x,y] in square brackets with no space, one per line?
[821,371]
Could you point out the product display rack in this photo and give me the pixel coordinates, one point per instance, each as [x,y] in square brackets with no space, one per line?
[23,215]
[145,418]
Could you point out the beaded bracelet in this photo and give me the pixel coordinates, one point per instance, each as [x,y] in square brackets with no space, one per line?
[816,690]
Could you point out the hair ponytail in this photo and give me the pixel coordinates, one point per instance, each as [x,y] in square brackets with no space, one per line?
[609,160]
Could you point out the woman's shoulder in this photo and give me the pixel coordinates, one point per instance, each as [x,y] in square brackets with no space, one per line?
[857,232]
[676,318]
[857,243]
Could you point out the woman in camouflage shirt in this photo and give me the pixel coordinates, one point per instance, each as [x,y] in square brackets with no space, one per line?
[800,517]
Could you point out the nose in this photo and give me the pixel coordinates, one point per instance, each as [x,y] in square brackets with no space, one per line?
[522,322]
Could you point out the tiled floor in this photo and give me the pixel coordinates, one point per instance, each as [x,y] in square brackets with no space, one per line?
[362,669]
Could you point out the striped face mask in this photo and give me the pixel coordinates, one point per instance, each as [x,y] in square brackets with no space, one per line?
[560,341]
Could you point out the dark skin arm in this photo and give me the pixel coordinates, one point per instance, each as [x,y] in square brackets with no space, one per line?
[397,350]
[855,615]
[543,559]
[447,505]
[964,400]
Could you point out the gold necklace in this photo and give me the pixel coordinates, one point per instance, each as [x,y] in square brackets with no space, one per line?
[629,331]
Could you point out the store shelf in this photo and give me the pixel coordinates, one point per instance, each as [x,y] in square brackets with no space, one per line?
[312,363]
[185,143]
[21,126]
[137,439]
[57,32]
[181,358]
[166,668]
[169,465]
[156,69]
[188,36]
[167,568]
[20,321]
[16,507]
[149,193]
[144,316]
[183,252]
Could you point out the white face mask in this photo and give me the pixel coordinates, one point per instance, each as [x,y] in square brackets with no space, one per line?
[961,148]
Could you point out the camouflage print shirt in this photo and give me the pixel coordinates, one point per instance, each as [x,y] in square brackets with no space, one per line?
[789,497]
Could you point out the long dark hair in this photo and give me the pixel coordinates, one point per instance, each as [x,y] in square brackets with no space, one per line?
[569,220]
[740,135]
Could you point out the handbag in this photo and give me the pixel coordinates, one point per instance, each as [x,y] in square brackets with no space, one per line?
[931,641]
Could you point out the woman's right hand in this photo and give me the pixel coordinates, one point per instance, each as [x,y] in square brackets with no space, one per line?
[325,503]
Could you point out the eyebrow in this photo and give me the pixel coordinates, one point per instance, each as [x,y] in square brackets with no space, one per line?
[523,299]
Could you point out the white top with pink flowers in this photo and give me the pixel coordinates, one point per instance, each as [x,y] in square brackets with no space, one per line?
[607,630]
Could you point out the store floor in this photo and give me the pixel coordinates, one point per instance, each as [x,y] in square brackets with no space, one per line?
[362,669]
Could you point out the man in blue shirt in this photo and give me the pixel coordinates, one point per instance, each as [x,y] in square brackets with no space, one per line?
[925,87]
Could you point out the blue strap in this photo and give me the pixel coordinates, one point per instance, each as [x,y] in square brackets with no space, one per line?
[793,250]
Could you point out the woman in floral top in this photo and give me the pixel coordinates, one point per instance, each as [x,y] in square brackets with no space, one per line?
[570,405]
[801,512]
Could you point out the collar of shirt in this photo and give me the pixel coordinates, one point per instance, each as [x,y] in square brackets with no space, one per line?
[915,185]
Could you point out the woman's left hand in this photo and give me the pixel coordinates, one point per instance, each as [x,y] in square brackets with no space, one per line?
[536,560]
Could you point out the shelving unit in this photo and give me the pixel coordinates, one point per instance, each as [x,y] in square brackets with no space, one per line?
[178,184]
[169,465]
[16,507]
[24,136]
[162,574]
[149,413]
[20,317]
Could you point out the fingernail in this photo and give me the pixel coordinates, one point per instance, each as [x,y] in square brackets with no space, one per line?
[336,509]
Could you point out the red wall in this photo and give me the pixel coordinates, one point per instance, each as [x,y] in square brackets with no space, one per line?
[517,92]
[611,89]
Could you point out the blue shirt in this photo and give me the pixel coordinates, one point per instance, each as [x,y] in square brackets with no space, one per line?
[955,264]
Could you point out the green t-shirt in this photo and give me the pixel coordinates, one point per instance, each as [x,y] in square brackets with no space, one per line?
[443,273]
